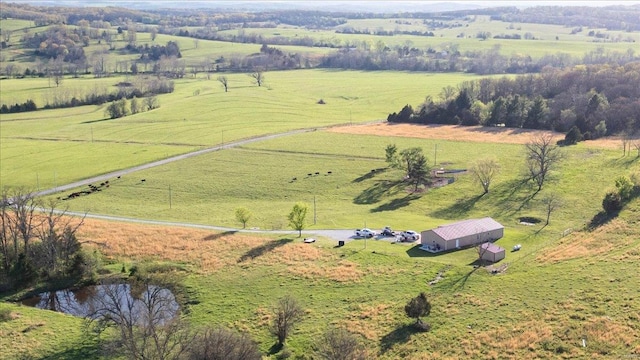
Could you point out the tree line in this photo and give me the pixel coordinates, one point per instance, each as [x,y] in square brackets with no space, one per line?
[598,100]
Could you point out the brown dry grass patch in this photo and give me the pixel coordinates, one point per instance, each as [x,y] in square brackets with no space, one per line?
[583,244]
[462,133]
[360,320]
[209,251]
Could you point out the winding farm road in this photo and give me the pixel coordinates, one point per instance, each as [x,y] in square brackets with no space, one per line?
[332,234]
[111,175]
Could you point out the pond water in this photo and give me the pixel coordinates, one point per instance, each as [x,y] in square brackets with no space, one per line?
[120,300]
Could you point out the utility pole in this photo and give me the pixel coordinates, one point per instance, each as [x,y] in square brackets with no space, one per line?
[435,156]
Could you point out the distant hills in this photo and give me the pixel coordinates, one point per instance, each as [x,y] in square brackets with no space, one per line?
[338,6]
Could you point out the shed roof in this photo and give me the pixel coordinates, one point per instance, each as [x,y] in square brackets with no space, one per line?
[491,248]
[467,227]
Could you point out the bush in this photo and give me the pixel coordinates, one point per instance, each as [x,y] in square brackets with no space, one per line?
[5,315]
[612,203]
[573,136]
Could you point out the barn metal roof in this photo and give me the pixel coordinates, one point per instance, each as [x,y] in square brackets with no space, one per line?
[467,227]
[492,248]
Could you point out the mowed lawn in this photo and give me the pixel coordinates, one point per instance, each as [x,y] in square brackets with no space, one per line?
[198,114]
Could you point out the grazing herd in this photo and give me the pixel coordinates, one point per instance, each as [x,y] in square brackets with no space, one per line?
[317,173]
[92,189]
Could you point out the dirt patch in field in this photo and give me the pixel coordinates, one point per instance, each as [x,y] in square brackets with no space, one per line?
[463,133]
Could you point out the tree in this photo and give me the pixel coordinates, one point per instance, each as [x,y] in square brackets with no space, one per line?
[154,33]
[135,105]
[243,215]
[391,155]
[223,344]
[551,203]
[415,163]
[287,314]
[418,307]
[625,186]
[573,136]
[146,318]
[258,77]
[151,102]
[339,344]
[225,82]
[612,203]
[298,216]
[542,156]
[484,171]
[419,172]
[117,109]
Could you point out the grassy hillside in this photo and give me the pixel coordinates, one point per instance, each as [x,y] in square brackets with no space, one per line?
[544,300]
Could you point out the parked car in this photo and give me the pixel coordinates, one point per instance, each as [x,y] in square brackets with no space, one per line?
[367,233]
[409,235]
[387,231]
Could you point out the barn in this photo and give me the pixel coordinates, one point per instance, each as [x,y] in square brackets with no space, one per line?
[491,252]
[461,234]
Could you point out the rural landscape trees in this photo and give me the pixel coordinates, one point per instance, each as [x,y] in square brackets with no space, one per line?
[69,73]
[417,308]
[542,157]
[298,217]
[484,171]
[287,314]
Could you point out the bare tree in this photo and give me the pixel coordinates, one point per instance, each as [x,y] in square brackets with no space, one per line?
[223,344]
[287,313]
[58,242]
[636,144]
[56,70]
[625,137]
[258,77]
[484,171]
[542,156]
[154,33]
[551,203]
[145,316]
[224,81]
[23,221]
[340,344]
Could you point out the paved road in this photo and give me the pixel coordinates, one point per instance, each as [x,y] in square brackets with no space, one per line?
[336,234]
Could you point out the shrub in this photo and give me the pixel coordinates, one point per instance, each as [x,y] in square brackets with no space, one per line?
[573,136]
[612,203]
[5,315]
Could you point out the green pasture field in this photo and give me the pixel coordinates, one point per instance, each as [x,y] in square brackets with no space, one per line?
[15,24]
[33,334]
[574,45]
[198,114]
[207,189]
[532,311]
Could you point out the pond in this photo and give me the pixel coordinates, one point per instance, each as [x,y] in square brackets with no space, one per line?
[115,300]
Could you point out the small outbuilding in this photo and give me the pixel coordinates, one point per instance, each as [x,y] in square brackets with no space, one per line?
[491,252]
[462,234]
